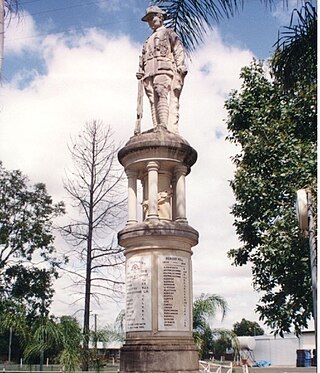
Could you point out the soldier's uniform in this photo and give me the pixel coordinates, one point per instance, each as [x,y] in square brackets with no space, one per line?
[163,66]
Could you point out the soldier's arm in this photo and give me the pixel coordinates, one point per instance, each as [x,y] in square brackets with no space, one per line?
[178,53]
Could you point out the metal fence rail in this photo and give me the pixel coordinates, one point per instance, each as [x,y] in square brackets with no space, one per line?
[210,367]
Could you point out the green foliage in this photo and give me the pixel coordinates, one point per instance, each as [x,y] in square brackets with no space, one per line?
[71,334]
[31,286]
[296,49]
[223,339]
[26,214]
[70,360]
[44,335]
[277,135]
[27,254]
[247,328]
[13,316]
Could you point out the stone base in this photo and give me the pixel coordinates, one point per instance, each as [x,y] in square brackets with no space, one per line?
[168,356]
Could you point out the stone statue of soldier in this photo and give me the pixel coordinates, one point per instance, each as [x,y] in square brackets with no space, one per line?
[162,70]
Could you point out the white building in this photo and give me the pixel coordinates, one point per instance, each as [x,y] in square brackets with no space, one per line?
[282,351]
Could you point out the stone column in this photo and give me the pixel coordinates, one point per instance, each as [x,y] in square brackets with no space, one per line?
[158,254]
[180,193]
[165,195]
[153,168]
[132,196]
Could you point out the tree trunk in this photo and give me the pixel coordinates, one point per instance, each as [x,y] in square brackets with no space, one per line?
[1,35]
[86,323]
[86,320]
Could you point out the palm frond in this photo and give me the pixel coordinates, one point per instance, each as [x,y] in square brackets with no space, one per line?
[296,48]
[11,7]
[191,19]
[205,307]
[45,336]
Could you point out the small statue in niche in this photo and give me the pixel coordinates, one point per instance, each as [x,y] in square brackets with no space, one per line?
[164,204]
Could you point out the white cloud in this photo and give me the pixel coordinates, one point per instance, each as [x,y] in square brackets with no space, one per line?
[20,34]
[283,10]
[93,77]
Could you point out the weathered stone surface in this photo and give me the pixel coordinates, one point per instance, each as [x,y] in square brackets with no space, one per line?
[162,69]
[162,233]
[172,356]
[161,146]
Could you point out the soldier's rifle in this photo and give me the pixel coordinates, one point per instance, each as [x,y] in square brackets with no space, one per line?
[137,129]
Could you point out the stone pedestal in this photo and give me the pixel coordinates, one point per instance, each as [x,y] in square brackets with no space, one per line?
[158,246]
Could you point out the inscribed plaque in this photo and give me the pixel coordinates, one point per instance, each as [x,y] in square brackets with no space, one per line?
[173,293]
[138,288]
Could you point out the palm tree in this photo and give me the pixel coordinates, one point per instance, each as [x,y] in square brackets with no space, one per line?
[191,19]
[205,308]
[71,334]
[115,331]
[63,336]
[7,8]
[43,336]
[295,59]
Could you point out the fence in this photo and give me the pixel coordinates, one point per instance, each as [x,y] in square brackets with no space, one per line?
[209,367]
[25,368]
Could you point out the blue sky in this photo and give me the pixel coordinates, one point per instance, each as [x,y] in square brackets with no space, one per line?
[254,27]
[68,62]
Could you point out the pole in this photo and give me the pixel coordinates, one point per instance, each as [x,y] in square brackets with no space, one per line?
[313,259]
[10,342]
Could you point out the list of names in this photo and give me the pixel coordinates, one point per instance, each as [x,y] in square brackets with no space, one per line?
[173,293]
[138,288]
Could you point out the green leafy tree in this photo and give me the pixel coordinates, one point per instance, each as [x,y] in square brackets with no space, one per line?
[276,132]
[32,287]
[28,262]
[26,241]
[247,328]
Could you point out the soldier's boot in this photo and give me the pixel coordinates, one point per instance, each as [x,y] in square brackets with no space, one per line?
[154,116]
[163,112]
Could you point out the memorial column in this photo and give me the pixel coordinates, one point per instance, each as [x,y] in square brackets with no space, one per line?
[132,196]
[180,193]
[153,168]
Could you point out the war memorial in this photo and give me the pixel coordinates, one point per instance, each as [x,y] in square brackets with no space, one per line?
[157,238]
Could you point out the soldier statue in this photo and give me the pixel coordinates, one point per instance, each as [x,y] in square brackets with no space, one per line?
[162,70]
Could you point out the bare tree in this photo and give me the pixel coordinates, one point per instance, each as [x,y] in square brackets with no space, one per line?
[97,190]
[7,8]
